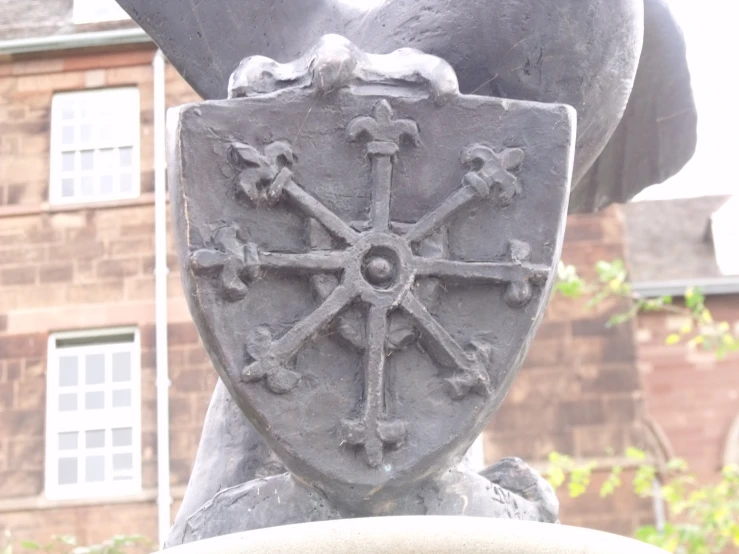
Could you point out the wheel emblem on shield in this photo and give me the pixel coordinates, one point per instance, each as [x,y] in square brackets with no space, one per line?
[366,262]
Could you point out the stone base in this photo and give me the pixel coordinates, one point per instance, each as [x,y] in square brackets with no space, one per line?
[419,535]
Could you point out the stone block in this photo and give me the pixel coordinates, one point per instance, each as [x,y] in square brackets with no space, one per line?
[613,381]
[22,424]
[23,346]
[581,412]
[15,276]
[118,267]
[26,454]
[56,273]
[21,483]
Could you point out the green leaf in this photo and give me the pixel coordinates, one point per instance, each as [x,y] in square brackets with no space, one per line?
[576,489]
[677,464]
[635,454]
[555,477]
[694,299]
[30,545]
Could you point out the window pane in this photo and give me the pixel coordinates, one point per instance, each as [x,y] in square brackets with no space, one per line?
[94,400]
[68,371]
[68,441]
[106,132]
[126,156]
[67,188]
[67,135]
[86,134]
[87,158]
[88,188]
[94,469]
[67,402]
[126,182]
[121,367]
[67,471]
[68,111]
[122,462]
[121,398]
[94,369]
[106,158]
[95,439]
[68,161]
[123,437]
[106,184]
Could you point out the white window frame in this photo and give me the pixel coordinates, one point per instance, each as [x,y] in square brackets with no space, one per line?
[129,135]
[81,420]
[88,11]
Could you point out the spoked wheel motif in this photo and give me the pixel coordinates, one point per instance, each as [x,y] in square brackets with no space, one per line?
[379,265]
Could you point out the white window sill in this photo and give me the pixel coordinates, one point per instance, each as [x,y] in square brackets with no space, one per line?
[33,503]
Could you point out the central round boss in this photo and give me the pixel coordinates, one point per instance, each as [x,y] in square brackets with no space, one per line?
[380,266]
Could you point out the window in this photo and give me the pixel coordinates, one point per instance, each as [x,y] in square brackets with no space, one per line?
[93,414]
[94,146]
[97,11]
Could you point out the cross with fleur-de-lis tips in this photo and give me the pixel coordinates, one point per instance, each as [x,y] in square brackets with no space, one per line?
[375,267]
[385,133]
[494,170]
[228,257]
[488,169]
[259,171]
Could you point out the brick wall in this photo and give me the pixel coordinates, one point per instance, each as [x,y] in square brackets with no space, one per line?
[579,391]
[86,267]
[692,395]
[82,267]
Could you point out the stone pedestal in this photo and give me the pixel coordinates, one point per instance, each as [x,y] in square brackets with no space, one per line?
[419,535]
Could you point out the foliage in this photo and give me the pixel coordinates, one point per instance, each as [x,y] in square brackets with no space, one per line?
[705,517]
[699,328]
[67,544]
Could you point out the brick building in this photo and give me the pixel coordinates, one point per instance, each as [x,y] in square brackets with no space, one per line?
[80,430]
[673,245]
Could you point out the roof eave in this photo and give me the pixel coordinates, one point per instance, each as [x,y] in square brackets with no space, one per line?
[717,286]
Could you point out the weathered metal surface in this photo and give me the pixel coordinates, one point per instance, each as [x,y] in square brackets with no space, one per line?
[367,254]
[576,52]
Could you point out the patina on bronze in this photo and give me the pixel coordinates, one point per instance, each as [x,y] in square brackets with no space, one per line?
[366,253]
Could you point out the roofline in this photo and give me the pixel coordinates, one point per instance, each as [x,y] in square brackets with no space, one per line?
[710,286]
[114,37]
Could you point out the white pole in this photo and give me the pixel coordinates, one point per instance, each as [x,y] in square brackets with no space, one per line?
[164,497]
[476,454]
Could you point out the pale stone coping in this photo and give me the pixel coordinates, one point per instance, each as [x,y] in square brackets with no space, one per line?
[33,503]
[420,535]
[21,210]
[89,316]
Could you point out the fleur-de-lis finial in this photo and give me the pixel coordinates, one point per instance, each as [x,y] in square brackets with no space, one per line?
[382,127]
[227,257]
[492,169]
[260,171]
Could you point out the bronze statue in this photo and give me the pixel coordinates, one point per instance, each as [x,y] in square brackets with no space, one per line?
[367,193]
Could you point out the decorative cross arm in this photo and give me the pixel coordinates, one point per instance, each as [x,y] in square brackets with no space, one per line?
[488,170]
[385,133]
[225,258]
[274,361]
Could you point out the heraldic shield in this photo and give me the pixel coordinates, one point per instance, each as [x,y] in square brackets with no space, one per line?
[367,255]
